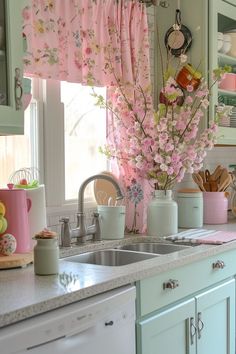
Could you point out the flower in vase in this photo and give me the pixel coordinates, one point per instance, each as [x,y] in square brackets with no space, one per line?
[135,192]
[163,144]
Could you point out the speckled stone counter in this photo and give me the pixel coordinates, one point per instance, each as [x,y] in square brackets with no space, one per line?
[23,294]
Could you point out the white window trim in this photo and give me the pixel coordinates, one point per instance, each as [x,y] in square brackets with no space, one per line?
[51,147]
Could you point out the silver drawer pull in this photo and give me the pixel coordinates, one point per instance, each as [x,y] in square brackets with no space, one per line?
[200,324]
[193,330]
[218,265]
[171,284]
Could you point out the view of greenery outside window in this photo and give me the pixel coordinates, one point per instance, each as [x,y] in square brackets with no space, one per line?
[85,131]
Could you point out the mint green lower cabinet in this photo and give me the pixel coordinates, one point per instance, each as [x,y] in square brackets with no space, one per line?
[168,332]
[203,324]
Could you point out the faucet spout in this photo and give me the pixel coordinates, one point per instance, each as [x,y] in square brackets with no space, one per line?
[81,231]
[93,178]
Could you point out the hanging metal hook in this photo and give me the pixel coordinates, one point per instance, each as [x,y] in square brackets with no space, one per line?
[162,3]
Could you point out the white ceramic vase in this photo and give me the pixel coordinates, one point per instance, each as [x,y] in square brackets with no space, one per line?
[162,214]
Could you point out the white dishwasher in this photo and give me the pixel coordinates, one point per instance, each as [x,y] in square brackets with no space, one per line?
[102,324]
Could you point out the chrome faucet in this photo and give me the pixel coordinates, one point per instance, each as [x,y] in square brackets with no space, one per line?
[81,231]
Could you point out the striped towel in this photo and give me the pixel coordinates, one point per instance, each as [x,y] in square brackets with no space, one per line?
[203,236]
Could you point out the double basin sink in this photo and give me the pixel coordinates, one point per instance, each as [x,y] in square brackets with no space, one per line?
[127,254]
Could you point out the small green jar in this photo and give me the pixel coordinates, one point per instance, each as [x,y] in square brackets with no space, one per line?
[46,257]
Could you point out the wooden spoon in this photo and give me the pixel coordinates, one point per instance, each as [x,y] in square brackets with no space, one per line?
[213,186]
[198,180]
[216,174]
[225,184]
[223,176]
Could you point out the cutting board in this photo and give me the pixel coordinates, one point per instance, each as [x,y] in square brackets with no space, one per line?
[15,260]
[104,190]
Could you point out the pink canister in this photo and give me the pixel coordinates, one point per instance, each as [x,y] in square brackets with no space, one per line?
[215,208]
[228,82]
[17,207]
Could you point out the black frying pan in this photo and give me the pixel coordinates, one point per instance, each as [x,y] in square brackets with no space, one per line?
[178,38]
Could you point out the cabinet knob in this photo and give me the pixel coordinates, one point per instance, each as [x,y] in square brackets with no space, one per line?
[218,264]
[171,284]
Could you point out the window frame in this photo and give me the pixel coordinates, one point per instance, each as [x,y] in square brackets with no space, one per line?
[51,149]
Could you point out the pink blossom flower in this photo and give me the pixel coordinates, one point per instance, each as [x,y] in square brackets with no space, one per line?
[190,88]
[169,147]
[161,145]
[205,103]
[158,158]
[88,51]
[163,167]
[189,100]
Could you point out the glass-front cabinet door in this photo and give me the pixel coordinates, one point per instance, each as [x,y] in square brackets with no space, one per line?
[222,31]
[11,67]
[3,56]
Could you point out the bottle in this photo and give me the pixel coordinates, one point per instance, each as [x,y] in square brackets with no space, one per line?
[162,214]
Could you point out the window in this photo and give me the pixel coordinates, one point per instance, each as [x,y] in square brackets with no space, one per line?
[72,129]
[19,151]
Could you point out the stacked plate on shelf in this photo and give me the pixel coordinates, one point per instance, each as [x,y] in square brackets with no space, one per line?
[233,117]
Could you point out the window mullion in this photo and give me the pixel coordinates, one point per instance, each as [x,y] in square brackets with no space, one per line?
[53,129]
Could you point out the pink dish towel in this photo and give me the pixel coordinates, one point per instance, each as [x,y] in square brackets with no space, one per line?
[217,238]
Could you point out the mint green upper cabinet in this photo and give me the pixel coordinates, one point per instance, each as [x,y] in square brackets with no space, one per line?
[11,68]
[204,18]
[222,17]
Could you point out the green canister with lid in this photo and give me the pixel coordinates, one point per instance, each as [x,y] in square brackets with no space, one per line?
[190,208]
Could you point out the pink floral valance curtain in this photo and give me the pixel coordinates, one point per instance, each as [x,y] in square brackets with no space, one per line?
[94,42]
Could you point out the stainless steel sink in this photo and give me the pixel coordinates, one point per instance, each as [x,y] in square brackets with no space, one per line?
[154,247]
[111,257]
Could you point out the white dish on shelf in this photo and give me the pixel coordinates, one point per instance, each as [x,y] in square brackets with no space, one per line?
[226,46]
[219,41]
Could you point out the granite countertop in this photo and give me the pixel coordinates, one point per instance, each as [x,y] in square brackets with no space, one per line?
[24,294]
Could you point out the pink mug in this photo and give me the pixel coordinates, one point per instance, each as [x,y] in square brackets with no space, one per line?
[17,208]
[215,208]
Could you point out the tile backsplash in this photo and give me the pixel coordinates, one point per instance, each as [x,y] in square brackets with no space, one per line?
[54,224]
[220,155]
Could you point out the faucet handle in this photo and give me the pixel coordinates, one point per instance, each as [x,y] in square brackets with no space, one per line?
[64,219]
[65,232]
[97,234]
